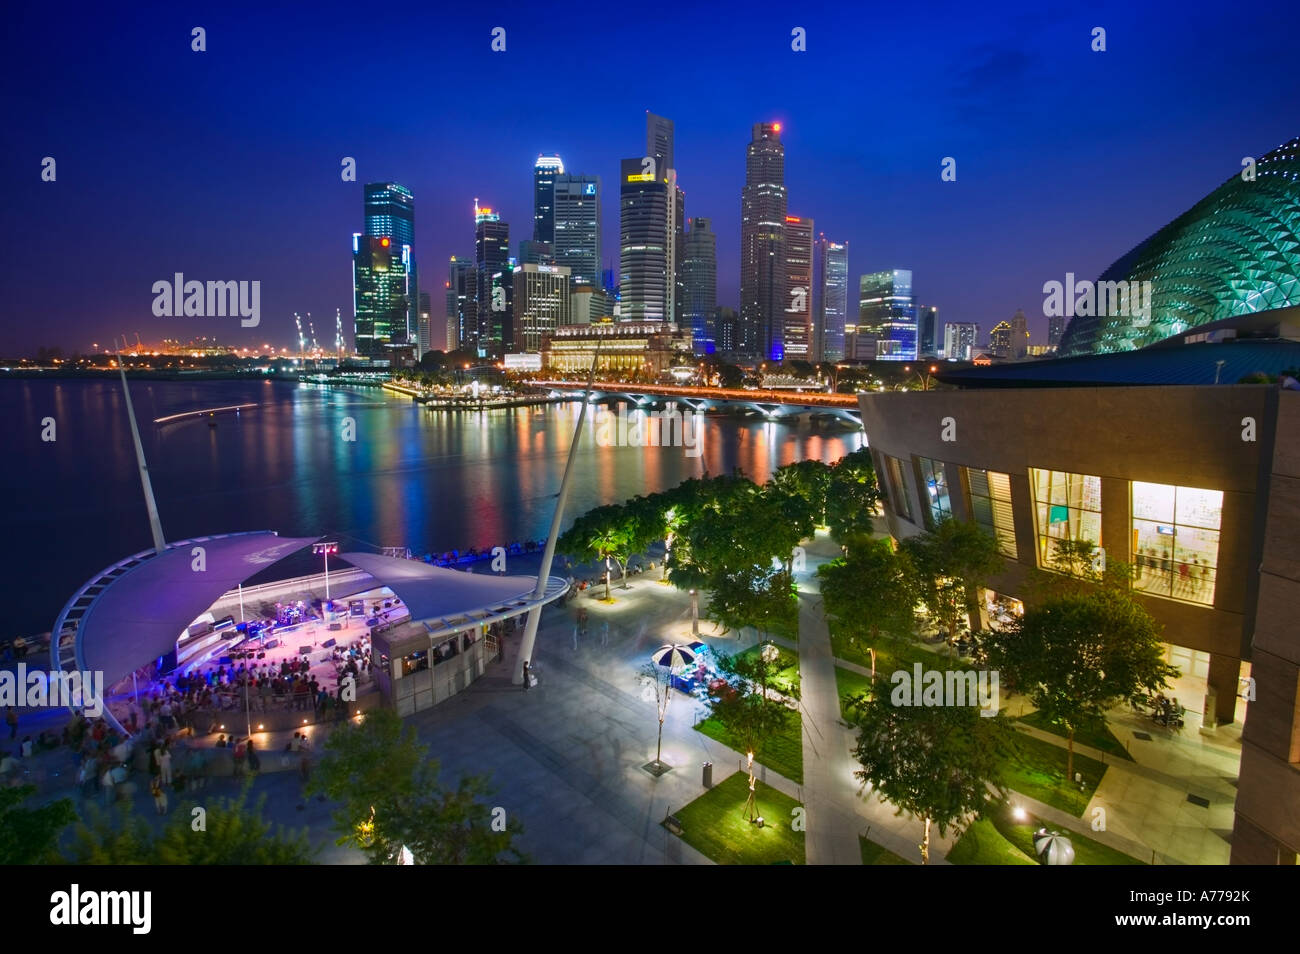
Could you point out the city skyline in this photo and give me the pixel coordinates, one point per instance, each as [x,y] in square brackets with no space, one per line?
[1059,203]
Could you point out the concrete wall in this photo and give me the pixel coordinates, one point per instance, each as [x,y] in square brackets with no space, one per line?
[1267,828]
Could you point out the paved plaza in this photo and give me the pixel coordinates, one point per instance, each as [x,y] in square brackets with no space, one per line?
[566,757]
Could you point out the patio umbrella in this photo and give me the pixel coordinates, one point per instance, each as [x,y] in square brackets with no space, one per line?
[1053,848]
[673,656]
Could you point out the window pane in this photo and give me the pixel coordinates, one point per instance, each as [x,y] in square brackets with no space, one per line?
[1176,555]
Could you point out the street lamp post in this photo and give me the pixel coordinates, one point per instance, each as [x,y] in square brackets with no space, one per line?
[325,549]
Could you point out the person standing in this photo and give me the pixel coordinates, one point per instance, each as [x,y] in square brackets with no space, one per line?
[164,758]
[528,675]
[254,762]
[11,720]
[240,752]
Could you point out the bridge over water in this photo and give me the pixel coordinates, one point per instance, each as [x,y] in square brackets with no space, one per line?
[771,404]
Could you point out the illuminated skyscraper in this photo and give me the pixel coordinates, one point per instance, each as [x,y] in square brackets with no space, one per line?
[577,227]
[762,244]
[796,334]
[544,173]
[887,316]
[646,281]
[831,300]
[700,283]
[659,136]
[390,214]
[494,289]
[382,288]
[960,340]
[462,305]
[927,331]
[422,333]
[541,304]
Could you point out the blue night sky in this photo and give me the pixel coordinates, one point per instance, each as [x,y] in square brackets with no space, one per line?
[225,164]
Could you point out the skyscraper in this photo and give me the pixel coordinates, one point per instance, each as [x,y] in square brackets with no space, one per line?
[831,300]
[381,294]
[390,213]
[796,334]
[493,292]
[700,283]
[423,332]
[1055,330]
[533,252]
[1000,340]
[544,172]
[887,315]
[1019,335]
[960,340]
[462,305]
[659,141]
[541,304]
[927,331]
[762,243]
[577,227]
[645,279]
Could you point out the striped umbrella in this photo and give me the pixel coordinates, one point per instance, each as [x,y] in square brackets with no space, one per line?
[671,657]
[1053,848]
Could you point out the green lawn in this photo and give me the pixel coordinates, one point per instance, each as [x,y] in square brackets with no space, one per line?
[1001,840]
[849,683]
[714,824]
[782,753]
[787,676]
[1098,737]
[891,654]
[873,854]
[1040,774]
[982,844]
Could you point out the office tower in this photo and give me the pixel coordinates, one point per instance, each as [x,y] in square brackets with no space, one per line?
[1055,330]
[381,293]
[831,300]
[544,172]
[491,259]
[927,331]
[727,332]
[700,283]
[609,281]
[533,252]
[762,243]
[1019,335]
[659,141]
[796,334]
[423,331]
[541,304]
[960,340]
[462,305]
[577,226]
[390,213]
[676,248]
[887,315]
[645,274]
[1000,340]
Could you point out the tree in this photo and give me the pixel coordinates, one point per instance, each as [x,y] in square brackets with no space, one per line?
[808,481]
[852,495]
[747,711]
[390,797]
[600,535]
[942,764]
[951,562]
[30,836]
[231,833]
[730,376]
[1078,655]
[871,592]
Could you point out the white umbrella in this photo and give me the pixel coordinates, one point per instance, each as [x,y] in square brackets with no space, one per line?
[673,656]
[1053,848]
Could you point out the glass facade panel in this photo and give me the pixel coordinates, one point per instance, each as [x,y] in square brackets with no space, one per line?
[936,489]
[898,488]
[1176,540]
[990,498]
[1066,507]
